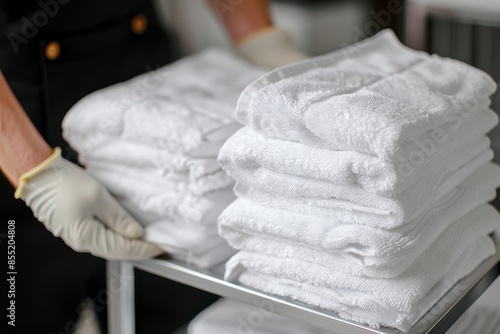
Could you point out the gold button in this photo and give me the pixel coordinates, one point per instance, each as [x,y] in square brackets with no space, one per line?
[139,24]
[52,50]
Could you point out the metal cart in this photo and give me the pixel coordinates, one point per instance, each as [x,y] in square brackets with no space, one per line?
[437,320]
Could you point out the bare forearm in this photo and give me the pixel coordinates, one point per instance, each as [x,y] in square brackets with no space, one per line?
[242,18]
[21,146]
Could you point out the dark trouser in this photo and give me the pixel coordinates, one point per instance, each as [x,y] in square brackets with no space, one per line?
[52,280]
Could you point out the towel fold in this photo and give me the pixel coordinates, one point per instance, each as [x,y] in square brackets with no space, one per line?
[198,245]
[365,250]
[116,151]
[363,307]
[211,257]
[352,205]
[248,155]
[170,199]
[334,101]
[399,292]
[198,181]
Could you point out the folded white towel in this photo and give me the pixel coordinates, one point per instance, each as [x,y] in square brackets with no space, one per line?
[198,245]
[230,316]
[207,259]
[351,205]
[399,292]
[117,151]
[247,156]
[197,182]
[369,251]
[169,108]
[374,101]
[390,266]
[203,258]
[361,307]
[161,183]
[167,199]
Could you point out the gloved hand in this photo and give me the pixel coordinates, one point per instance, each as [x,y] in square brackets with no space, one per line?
[271,48]
[74,206]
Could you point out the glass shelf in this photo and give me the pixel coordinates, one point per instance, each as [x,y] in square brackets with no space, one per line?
[437,320]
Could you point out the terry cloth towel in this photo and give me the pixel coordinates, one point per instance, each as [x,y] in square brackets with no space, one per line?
[362,307]
[167,199]
[230,316]
[373,100]
[169,108]
[195,182]
[127,153]
[352,205]
[367,251]
[248,155]
[399,292]
[197,245]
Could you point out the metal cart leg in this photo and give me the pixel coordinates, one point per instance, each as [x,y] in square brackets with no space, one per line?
[120,285]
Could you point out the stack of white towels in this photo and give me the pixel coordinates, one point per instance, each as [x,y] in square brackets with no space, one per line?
[363,178]
[153,142]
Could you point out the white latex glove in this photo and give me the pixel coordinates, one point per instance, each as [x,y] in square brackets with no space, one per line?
[74,206]
[271,48]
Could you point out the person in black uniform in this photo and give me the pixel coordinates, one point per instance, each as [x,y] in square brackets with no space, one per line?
[53,53]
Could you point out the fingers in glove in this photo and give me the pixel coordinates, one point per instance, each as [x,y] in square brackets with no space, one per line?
[92,236]
[113,215]
[89,198]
